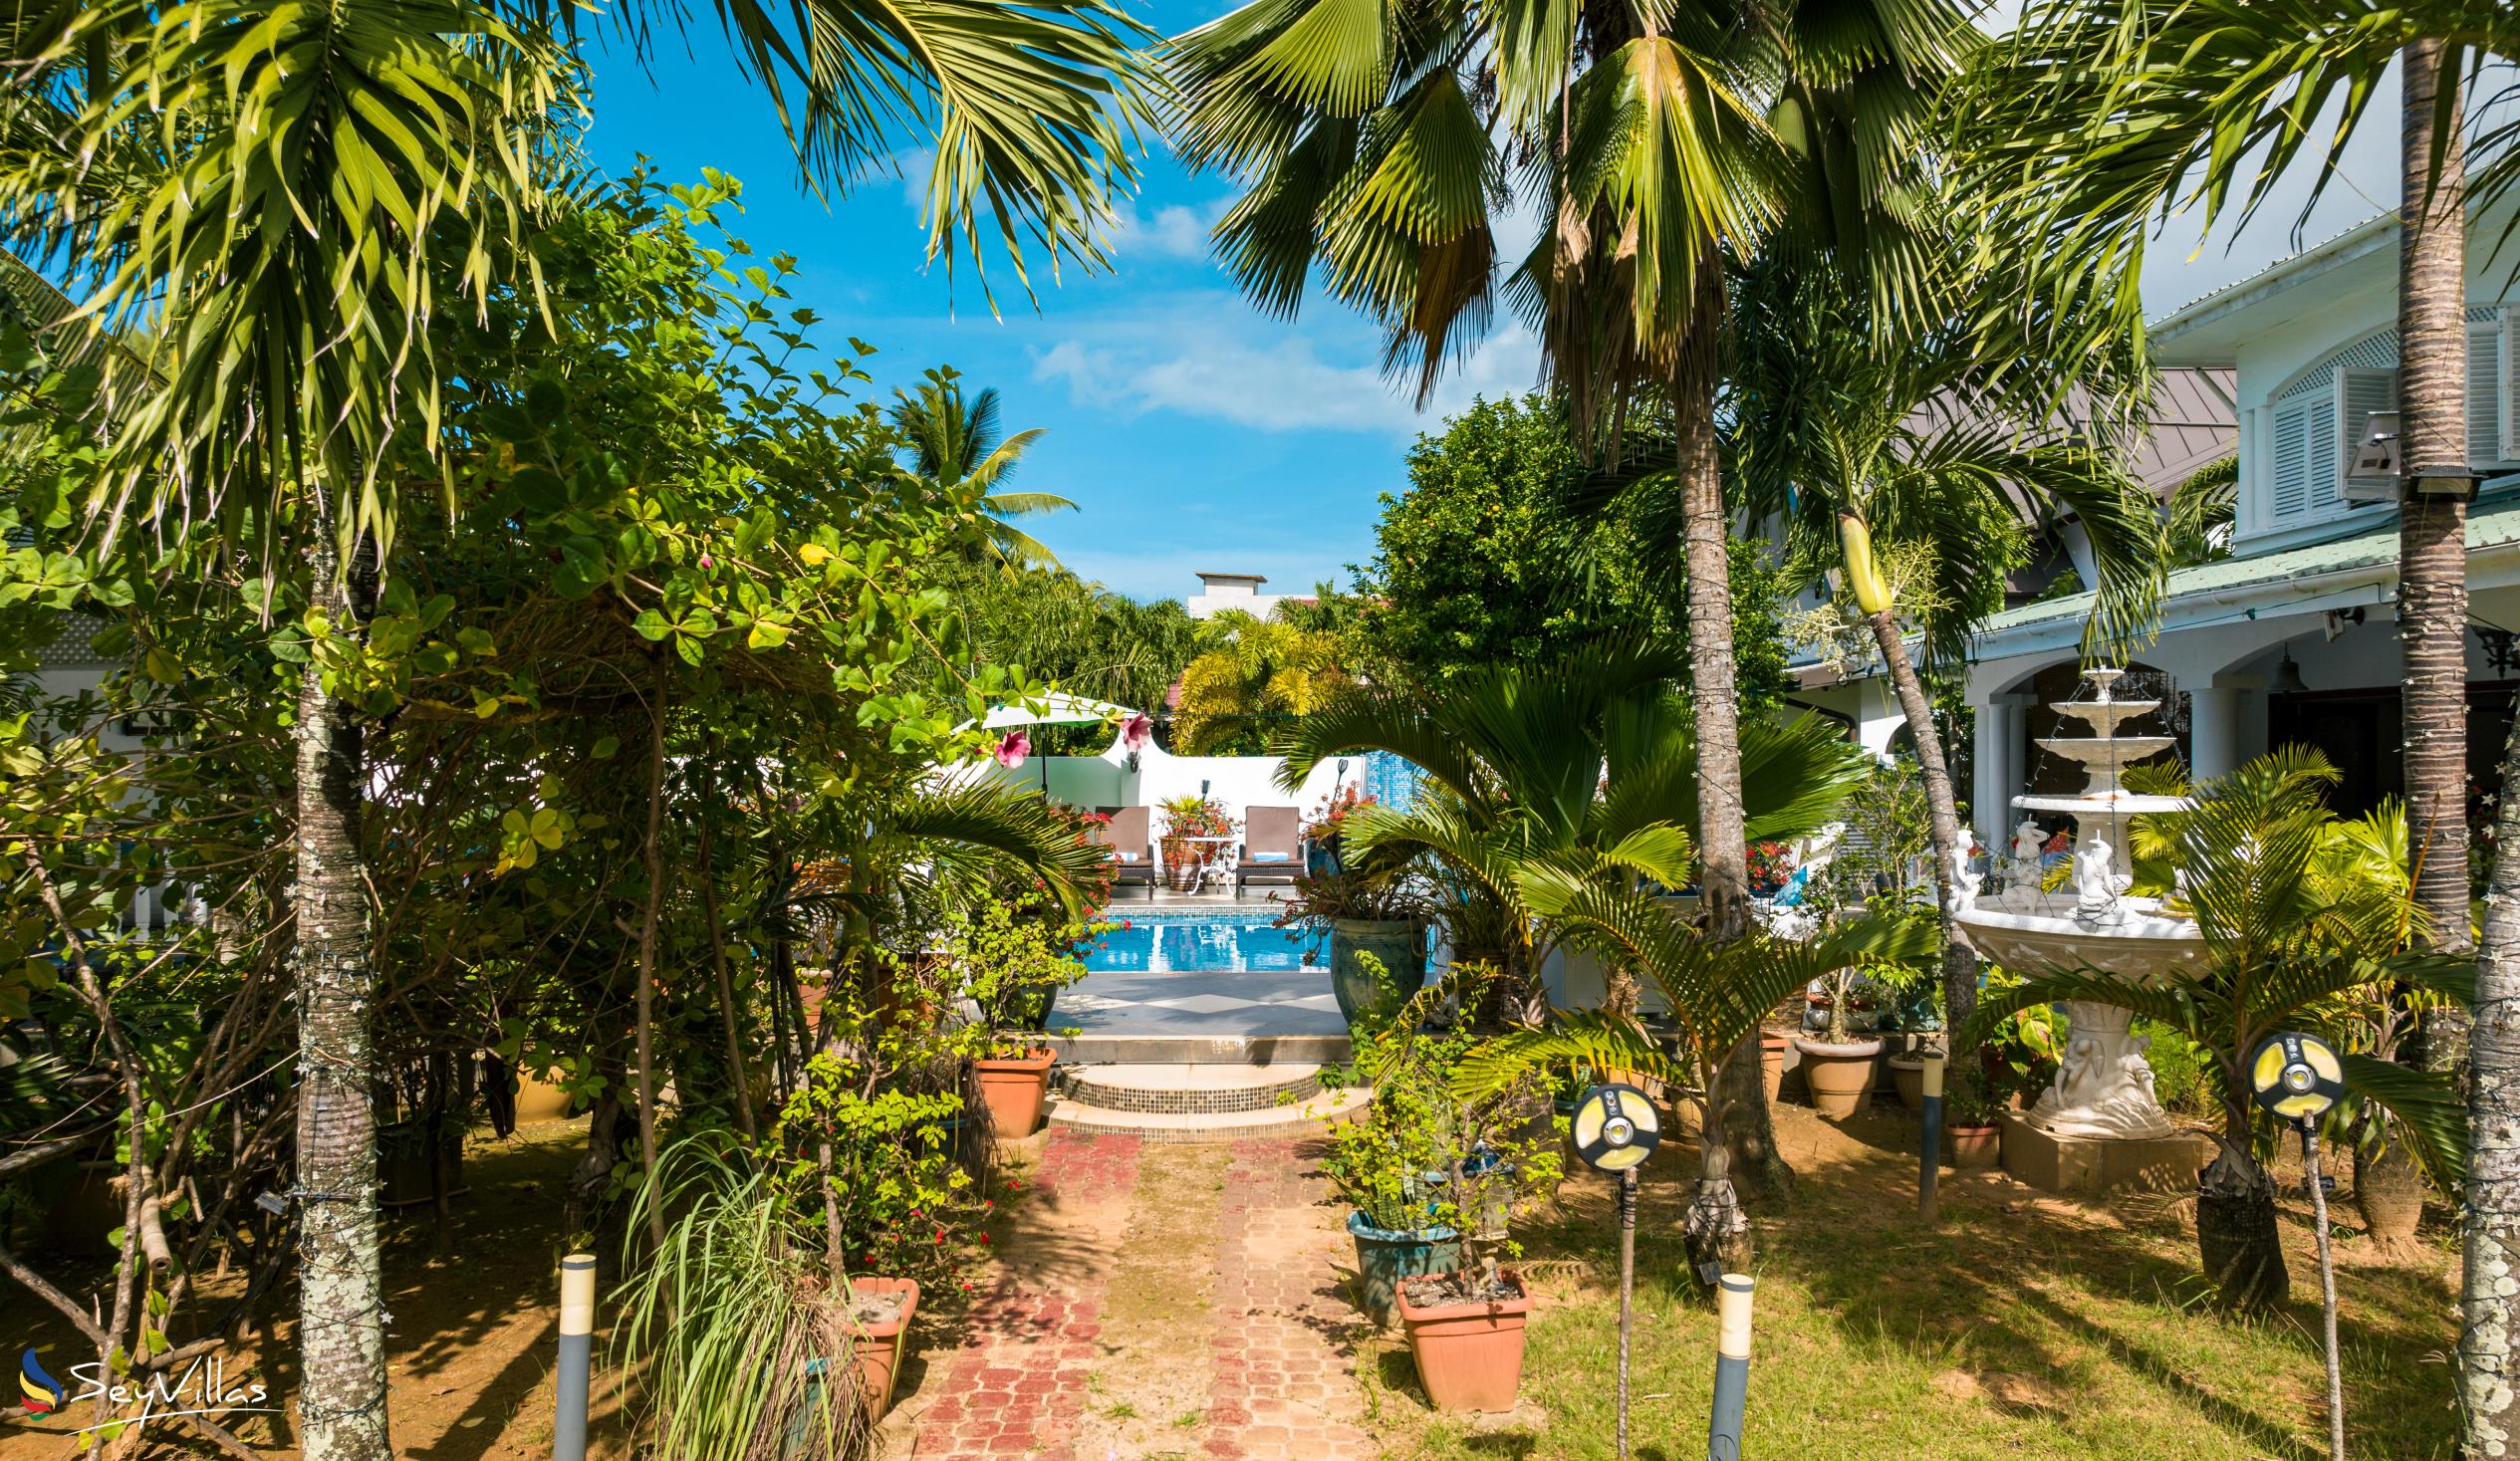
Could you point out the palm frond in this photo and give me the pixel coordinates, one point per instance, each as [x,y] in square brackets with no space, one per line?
[2428,1109]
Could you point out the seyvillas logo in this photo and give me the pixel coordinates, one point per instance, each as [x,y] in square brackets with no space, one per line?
[200,1389]
[41,1392]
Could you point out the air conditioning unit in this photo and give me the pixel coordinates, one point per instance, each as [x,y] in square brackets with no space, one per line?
[2373,475]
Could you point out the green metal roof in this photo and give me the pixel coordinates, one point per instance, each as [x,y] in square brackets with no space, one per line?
[2488,526]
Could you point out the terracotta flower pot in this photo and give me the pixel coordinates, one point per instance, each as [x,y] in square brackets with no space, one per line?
[880,1346]
[1840,1076]
[1910,1073]
[1469,1356]
[1772,1046]
[1014,1087]
[1972,1146]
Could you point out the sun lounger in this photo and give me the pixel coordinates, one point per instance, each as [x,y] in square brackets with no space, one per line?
[1272,844]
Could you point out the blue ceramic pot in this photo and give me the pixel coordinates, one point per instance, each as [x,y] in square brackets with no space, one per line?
[1385,1257]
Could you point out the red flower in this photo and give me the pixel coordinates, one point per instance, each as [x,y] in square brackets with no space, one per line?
[984,1237]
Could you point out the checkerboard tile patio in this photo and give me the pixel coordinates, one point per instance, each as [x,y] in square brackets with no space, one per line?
[1247,1004]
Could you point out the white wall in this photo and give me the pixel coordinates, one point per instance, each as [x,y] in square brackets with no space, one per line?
[1107,780]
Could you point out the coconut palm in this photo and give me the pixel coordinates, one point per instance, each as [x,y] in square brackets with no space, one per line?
[341,173]
[1386,144]
[2288,944]
[1716,995]
[1849,426]
[957,443]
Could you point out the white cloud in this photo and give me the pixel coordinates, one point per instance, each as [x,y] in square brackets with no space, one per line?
[1173,231]
[1216,362]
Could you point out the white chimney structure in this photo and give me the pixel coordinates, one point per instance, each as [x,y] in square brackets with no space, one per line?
[1220,592]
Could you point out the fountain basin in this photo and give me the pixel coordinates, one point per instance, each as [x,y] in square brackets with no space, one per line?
[2142,943]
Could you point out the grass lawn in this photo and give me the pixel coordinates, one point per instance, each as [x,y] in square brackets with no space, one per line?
[2022,1326]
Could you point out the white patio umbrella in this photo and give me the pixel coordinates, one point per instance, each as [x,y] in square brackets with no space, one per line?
[1056,708]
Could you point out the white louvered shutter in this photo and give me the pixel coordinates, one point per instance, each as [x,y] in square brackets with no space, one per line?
[2288,497]
[2359,394]
[2509,386]
[2487,431]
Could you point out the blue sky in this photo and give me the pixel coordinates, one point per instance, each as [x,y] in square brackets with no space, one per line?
[1191,431]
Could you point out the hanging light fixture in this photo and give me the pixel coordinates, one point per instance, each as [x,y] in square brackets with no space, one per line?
[2287,679]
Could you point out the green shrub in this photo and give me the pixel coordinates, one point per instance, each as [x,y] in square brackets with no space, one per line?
[2179,1074]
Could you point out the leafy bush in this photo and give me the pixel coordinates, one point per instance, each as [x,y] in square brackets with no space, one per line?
[2180,1076]
[1424,1157]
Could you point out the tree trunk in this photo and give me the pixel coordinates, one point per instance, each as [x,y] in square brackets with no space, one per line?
[1960,961]
[737,1073]
[655,860]
[1722,844]
[1714,1231]
[2489,1332]
[2433,530]
[2236,1236]
[341,1312]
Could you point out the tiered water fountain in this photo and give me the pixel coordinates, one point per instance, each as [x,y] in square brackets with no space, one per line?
[2103,1091]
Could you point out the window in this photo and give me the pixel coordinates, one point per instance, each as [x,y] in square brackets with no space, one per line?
[2319,417]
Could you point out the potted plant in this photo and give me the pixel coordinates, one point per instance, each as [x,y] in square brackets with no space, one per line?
[1188,824]
[1437,1180]
[1839,1068]
[1973,1108]
[1321,851]
[879,1311]
[1013,955]
[1371,912]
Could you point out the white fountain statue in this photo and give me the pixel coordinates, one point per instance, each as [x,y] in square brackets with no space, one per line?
[2104,1089]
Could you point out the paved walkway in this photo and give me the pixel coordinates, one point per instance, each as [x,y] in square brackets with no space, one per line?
[1154,1302]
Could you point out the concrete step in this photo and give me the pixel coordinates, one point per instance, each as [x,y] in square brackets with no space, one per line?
[1208,1129]
[1191,1090]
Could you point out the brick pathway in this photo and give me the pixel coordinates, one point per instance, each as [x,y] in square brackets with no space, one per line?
[1285,1385]
[1016,1386]
[1266,1319]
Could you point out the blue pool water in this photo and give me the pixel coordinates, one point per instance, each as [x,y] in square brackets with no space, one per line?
[1166,943]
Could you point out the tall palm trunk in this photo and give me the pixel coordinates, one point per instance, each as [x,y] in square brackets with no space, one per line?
[2236,1238]
[2489,1331]
[341,1307]
[2433,530]
[1739,1132]
[1960,961]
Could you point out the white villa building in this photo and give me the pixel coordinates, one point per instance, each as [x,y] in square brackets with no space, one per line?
[2292,639]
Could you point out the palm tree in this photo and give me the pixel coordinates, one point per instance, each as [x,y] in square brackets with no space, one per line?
[345,171]
[1652,141]
[2286,946]
[1589,758]
[1248,667]
[1853,427]
[957,444]
[1716,995]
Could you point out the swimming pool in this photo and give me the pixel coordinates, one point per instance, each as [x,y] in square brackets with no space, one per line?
[1203,941]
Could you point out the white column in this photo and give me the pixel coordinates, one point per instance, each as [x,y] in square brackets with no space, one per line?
[1989,799]
[2218,737]
[2213,731]
[2001,765]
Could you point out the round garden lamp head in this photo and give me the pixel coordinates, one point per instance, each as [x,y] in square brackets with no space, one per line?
[2297,1077]
[1615,1127]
